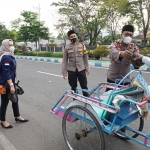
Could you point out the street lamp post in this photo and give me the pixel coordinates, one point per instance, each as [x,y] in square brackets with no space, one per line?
[39,20]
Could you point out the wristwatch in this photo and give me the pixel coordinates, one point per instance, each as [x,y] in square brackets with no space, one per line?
[11,84]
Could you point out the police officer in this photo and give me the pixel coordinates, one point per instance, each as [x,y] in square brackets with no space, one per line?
[75,63]
[122,54]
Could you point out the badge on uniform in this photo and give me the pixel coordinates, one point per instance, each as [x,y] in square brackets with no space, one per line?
[81,53]
[80,50]
[70,51]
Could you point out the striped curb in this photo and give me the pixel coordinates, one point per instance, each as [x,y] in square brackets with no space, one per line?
[56,60]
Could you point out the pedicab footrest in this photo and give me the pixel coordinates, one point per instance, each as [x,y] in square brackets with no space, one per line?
[60,111]
[126,115]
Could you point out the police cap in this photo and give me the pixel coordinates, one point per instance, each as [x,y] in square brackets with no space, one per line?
[129,28]
[71,32]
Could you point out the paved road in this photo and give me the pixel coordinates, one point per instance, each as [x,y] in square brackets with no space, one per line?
[43,131]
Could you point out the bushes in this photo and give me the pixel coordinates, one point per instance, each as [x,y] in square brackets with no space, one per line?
[145,51]
[43,54]
[101,51]
[16,51]
[57,54]
[24,48]
[90,54]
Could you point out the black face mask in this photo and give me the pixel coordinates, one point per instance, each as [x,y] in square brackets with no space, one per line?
[73,40]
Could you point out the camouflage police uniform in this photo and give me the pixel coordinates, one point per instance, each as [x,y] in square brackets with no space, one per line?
[75,63]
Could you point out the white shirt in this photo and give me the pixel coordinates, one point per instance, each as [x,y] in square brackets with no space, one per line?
[146,60]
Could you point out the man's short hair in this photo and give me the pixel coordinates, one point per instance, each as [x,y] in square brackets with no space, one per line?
[71,32]
[129,28]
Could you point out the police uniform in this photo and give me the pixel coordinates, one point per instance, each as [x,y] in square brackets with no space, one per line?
[119,67]
[75,62]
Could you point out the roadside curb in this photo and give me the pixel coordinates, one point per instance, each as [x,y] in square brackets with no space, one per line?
[91,63]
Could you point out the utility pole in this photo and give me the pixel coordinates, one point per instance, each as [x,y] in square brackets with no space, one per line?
[38,8]
[39,21]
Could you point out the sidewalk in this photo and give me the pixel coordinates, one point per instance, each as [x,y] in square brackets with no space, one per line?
[97,63]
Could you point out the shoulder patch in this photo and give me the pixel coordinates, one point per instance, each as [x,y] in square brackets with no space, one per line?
[6,63]
[84,50]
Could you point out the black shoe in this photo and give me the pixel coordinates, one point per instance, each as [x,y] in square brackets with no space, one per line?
[25,120]
[8,127]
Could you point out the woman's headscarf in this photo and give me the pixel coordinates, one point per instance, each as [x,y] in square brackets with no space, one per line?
[4,48]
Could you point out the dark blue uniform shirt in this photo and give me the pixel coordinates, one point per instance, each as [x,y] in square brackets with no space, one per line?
[7,70]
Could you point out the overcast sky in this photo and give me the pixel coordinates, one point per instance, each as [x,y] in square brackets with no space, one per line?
[11,9]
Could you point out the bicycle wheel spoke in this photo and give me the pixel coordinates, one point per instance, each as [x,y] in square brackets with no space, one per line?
[84,133]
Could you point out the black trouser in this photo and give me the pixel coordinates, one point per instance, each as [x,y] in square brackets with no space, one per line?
[110,81]
[4,104]
[81,76]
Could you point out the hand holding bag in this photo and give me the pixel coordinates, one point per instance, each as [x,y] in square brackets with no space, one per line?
[19,90]
[13,97]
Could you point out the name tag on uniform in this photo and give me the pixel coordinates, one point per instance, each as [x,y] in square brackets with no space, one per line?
[80,49]
[70,51]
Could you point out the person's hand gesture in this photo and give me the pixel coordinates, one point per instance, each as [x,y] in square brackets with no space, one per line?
[139,57]
[12,89]
[65,76]
[88,72]
[126,54]
[148,98]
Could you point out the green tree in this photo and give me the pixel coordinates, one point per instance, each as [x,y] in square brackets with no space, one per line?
[113,9]
[4,33]
[13,35]
[15,24]
[59,37]
[61,27]
[30,29]
[108,39]
[139,13]
[84,16]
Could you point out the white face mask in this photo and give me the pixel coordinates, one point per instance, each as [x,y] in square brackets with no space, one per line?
[12,49]
[127,40]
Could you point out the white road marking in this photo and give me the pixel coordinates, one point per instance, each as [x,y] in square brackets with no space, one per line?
[90,66]
[47,62]
[5,143]
[50,74]
[143,71]
[99,67]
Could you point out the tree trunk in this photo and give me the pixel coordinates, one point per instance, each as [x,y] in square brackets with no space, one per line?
[90,38]
[144,38]
[36,45]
